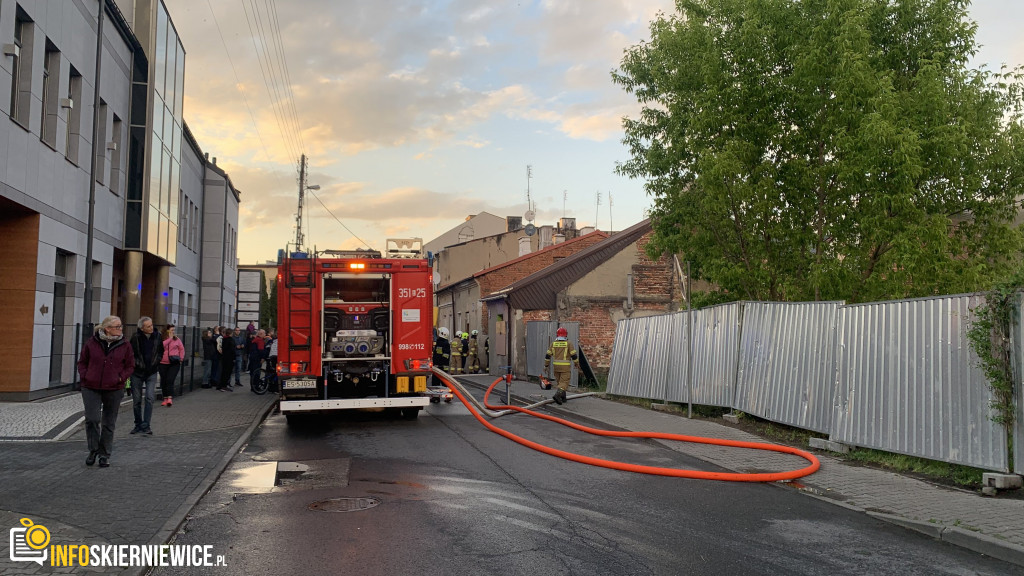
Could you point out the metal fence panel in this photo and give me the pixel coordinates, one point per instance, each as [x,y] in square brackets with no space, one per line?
[786,363]
[908,382]
[1017,343]
[716,336]
[539,335]
[639,359]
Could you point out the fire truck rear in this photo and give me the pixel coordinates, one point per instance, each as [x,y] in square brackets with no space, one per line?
[355,330]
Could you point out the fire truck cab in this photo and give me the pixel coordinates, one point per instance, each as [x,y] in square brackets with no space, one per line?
[356,329]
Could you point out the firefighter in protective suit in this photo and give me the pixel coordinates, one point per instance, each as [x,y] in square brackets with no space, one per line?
[442,350]
[563,355]
[473,361]
[456,348]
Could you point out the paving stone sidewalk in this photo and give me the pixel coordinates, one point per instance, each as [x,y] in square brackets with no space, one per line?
[152,482]
[993,526]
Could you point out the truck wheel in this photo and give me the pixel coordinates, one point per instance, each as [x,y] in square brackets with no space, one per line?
[410,413]
[295,420]
[435,400]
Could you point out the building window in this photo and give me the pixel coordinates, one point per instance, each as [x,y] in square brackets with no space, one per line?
[101,139]
[21,69]
[51,94]
[115,156]
[183,219]
[74,108]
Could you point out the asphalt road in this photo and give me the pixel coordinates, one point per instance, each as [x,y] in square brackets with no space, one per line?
[453,498]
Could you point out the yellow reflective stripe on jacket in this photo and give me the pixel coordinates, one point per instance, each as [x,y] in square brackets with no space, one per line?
[560,354]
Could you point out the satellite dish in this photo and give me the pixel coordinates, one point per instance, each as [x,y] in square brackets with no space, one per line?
[437,278]
[529,215]
[530,229]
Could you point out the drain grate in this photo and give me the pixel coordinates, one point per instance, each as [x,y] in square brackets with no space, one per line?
[344,504]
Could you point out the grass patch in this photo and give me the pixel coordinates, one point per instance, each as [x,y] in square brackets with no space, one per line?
[957,474]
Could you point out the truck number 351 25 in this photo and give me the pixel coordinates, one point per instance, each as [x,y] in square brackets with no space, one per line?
[412,292]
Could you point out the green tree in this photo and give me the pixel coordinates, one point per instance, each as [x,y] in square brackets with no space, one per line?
[827,149]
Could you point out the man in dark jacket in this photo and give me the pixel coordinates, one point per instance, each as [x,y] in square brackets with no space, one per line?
[229,351]
[209,357]
[104,366]
[148,349]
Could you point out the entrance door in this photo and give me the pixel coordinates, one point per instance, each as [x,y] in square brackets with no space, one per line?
[58,328]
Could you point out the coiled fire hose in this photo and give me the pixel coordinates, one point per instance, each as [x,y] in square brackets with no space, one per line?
[474,407]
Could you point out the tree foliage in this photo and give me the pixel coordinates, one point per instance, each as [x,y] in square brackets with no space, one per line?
[827,149]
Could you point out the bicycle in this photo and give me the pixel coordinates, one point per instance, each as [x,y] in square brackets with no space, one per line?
[264,378]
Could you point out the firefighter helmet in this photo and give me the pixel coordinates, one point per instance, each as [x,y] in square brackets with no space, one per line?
[473,333]
[443,333]
[562,333]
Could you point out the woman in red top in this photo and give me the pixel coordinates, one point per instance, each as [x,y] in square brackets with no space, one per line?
[170,364]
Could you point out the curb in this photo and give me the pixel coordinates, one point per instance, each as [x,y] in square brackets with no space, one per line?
[166,534]
[954,535]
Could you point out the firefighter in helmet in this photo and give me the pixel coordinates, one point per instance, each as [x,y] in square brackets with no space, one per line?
[464,342]
[473,361]
[442,350]
[562,354]
[456,354]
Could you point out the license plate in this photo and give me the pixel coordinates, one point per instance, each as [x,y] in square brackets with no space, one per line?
[291,384]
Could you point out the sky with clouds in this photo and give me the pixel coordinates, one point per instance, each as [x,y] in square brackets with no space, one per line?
[418,113]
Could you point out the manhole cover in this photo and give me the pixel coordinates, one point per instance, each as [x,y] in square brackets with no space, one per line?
[344,504]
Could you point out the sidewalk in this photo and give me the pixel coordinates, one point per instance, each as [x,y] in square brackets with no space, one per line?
[992,526]
[153,482]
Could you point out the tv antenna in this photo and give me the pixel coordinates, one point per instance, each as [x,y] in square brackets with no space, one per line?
[529,203]
[597,210]
[611,223]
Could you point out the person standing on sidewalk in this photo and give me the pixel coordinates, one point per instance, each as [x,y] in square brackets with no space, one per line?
[170,364]
[257,349]
[217,339]
[563,355]
[209,355]
[241,343]
[227,360]
[104,366]
[148,349]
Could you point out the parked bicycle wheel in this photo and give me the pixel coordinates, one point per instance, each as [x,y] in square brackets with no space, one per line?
[259,383]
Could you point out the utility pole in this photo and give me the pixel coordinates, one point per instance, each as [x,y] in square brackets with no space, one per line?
[302,192]
[529,174]
[96,147]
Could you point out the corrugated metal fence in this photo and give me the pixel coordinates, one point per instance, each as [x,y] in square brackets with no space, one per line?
[539,335]
[898,376]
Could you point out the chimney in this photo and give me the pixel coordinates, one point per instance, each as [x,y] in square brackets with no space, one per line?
[567,224]
[545,236]
[207,156]
[558,238]
[524,245]
[214,160]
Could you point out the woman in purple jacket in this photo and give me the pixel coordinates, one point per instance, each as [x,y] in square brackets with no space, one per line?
[104,367]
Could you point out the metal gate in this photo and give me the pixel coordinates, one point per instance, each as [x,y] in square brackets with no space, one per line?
[540,335]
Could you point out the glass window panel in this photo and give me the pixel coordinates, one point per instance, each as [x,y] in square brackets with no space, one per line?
[158,118]
[165,183]
[168,127]
[151,229]
[176,141]
[180,83]
[161,249]
[138,113]
[160,59]
[172,44]
[154,177]
[133,225]
[174,192]
[136,163]
[172,242]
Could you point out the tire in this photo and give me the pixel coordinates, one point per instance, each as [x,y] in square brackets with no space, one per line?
[260,384]
[410,413]
[296,420]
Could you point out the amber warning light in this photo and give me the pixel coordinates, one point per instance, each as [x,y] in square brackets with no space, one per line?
[357,265]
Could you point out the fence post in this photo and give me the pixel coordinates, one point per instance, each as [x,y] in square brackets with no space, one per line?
[689,346]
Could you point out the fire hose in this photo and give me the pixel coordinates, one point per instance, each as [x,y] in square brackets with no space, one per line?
[477,410]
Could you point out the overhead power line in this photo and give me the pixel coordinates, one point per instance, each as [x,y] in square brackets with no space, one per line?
[339,221]
[238,83]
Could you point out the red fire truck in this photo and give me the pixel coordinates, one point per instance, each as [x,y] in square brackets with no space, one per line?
[355,330]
